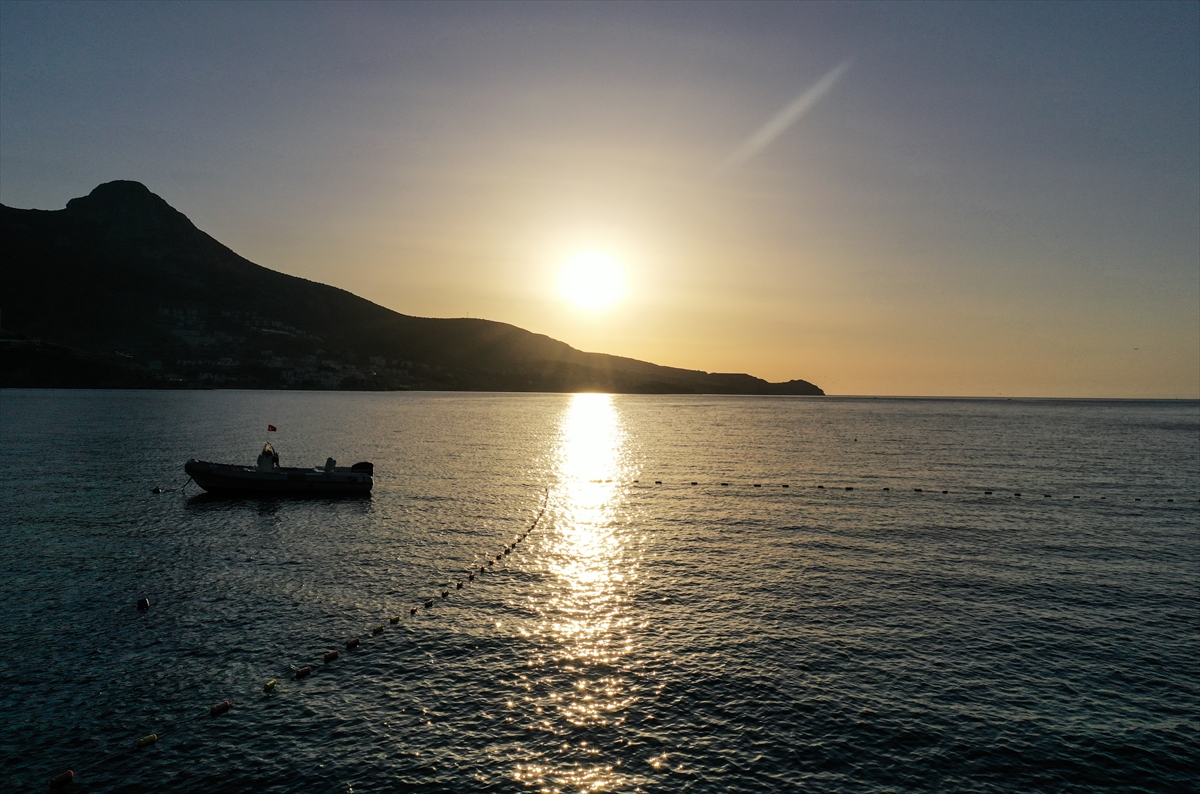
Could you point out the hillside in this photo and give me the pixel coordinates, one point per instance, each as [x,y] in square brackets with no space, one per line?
[121,289]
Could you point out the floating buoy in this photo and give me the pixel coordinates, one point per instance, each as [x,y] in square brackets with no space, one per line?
[269,686]
[785,485]
[693,483]
[1076,497]
[377,629]
[458,585]
[1046,495]
[1103,497]
[635,482]
[945,492]
[849,487]
[156,489]
[821,487]
[331,657]
[658,482]
[353,643]
[394,619]
[1137,500]
[1169,500]
[758,485]
[887,489]
[147,740]
[918,490]
[987,493]
[62,779]
[222,707]
[412,611]
[1016,494]
[143,604]
[429,604]
[303,671]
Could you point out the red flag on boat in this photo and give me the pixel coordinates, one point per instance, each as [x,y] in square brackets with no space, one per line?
[272,428]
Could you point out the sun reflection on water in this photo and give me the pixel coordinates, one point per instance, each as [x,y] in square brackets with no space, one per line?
[577,692]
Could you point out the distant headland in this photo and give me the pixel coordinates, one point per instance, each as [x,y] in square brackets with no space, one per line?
[121,290]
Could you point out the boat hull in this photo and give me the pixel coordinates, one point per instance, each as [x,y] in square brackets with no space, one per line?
[230,480]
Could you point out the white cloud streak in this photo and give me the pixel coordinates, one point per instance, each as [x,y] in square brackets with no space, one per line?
[783,119]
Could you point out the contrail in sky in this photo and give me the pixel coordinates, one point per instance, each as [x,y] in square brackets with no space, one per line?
[783,119]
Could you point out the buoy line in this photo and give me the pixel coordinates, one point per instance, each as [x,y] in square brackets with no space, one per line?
[821,487]
[443,593]
[297,674]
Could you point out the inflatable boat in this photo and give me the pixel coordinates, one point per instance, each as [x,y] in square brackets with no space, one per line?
[269,478]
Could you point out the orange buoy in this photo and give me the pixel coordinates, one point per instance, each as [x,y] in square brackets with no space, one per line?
[331,656]
[219,709]
[352,643]
[303,671]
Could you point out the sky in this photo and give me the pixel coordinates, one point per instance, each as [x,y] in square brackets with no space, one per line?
[977,199]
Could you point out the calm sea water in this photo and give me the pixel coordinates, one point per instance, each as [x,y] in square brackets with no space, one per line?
[692,636]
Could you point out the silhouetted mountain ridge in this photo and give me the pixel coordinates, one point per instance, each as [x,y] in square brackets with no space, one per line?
[122,277]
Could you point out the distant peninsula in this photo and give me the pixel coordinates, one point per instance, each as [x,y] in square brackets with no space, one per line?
[121,290]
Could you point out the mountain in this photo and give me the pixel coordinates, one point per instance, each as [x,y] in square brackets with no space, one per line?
[121,289]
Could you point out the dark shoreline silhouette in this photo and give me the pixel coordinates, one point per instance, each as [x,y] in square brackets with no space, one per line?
[121,290]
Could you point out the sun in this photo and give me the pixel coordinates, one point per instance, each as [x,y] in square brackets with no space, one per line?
[592,281]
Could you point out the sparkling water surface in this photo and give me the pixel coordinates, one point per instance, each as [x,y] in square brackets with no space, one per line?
[715,632]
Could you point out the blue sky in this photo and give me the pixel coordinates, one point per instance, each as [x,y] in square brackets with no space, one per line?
[990,199]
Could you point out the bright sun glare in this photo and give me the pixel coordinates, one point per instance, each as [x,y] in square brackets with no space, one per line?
[592,281]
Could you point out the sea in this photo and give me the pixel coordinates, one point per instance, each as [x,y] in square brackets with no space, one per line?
[612,593]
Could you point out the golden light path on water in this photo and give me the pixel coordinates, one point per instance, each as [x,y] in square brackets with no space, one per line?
[579,683]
